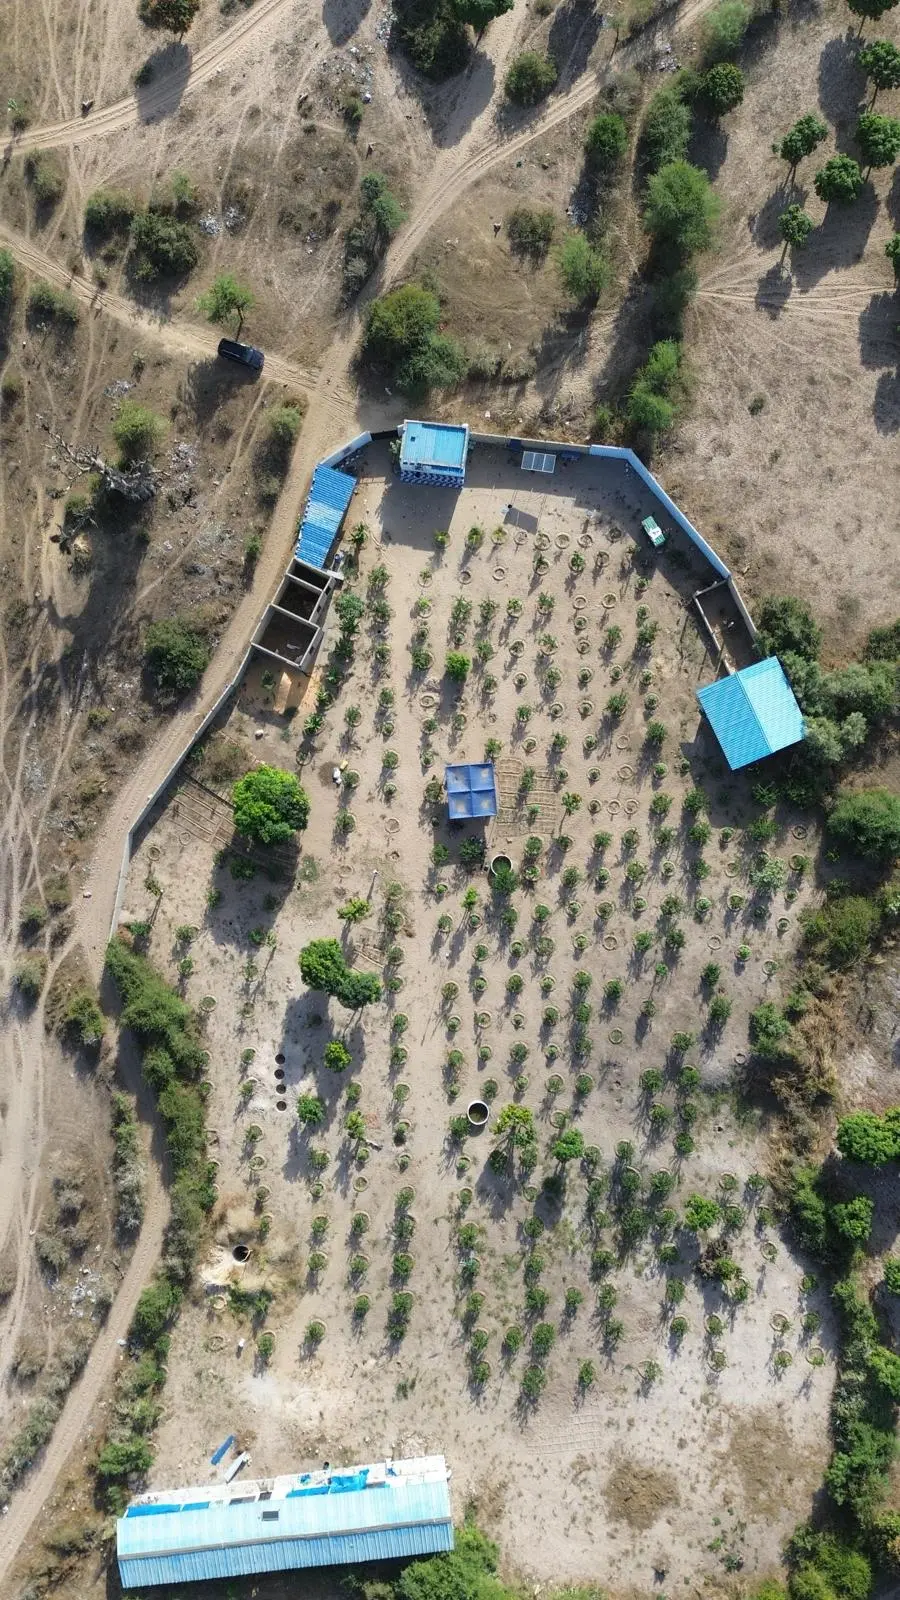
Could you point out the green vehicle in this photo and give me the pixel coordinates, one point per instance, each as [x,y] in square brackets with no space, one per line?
[654,532]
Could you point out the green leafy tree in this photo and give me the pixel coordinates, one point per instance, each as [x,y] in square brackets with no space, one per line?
[310,1110]
[174,16]
[700,1213]
[880,61]
[479,14]
[795,227]
[769,1031]
[681,208]
[456,666]
[401,338]
[530,78]
[839,181]
[802,139]
[892,251]
[666,131]
[865,1137]
[867,821]
[878,138]
[7,278]
[176,655]
[226,298]
[870,10]
[786,624]
[657,388]
[381,206]
[582,269]
[354,910]
[853,1218]
[569,1146]
[515,1125]
[137,430]
[606,141]
[322,966]
[721,88]
[336,1056]
[269,805]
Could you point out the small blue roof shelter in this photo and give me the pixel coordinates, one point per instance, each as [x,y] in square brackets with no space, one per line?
[434,453]
[471,791]
[329,496]
[753,713]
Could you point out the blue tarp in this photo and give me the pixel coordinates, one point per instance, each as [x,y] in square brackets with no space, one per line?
[471,790]
[329,497]
[753,713]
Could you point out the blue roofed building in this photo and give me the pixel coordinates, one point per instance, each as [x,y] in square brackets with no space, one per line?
[386,1512]
[434,453]
[753,713]
[329,496]
[471,790]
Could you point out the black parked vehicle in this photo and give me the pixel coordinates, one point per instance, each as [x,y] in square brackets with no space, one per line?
[246,354]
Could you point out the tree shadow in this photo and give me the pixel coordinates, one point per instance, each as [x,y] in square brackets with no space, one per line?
[708,146]
[841,86]
[450,107]
[208,384]
[838,242]
[892,200]
[574,32]
[342,20]
[167,73]
[886,406]
[763,224]
[774,290]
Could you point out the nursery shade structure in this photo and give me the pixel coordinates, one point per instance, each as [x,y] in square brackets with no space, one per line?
[386,1512]
[433,453]
[752,713]
[471,790]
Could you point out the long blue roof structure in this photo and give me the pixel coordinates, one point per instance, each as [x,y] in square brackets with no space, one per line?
[753,713]
[329,496]
[385,1512]
[471,790]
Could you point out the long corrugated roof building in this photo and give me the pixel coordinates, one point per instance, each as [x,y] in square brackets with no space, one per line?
[385,1512]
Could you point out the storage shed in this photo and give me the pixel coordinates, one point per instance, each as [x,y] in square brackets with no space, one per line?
[386,1512]
[471,790]
[753,713]
[433,453]
[329,496]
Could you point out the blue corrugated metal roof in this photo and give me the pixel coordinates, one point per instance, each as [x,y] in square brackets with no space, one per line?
[471,790]
[286,1555]
[753,713]
[433,444]
[376,1522]
[329,496]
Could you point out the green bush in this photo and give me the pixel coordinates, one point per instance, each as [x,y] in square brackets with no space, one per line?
[786,625]
[124,1457]
[865,1136]
[46,304]
[269,806]
[137,430]
[433,37]
[681,208]
[606,141]
[155,1310]
[531,231]
[29,976]
[161,246]
[7,278]
[867,822]
[322,966]
[840,931]
[176,655]
[724,28]
[582,269]
[666,130]
[45,176]
[108,212]
[657,389]
[530,78]
[721,89]
[770,1032]
[82,1020]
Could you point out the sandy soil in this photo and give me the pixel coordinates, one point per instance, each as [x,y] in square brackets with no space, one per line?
[606,1469]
